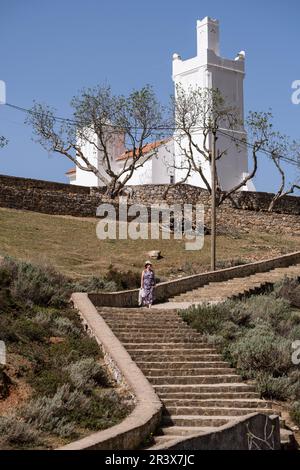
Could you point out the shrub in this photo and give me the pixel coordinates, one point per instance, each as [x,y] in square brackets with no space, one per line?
[206,318]
[5,382]
[289,289]
[229,263]
[50,414]
[275,388]
[62,326]
[104,409]
[40,285]
[27,329]
[48,380]
[295,412]
[14,431]
[267,308]
[86,374]
[95,284]
[294,378]
[294,333]
[123,280]
[261,350]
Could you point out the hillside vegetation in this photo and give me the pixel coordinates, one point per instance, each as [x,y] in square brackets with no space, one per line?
[55,386]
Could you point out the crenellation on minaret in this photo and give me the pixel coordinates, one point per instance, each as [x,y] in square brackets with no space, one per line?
[208,36]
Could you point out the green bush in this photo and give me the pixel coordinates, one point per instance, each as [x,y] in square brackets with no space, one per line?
[5,382]
[274,388]
[62,326]
[260,349]
[48,380]
[295,412]
[289,289]
[51,414]
[206,318]
[40,285]
[15,432]
[123,280]
[86,374]
[229,263]
[95,284]
[103,409]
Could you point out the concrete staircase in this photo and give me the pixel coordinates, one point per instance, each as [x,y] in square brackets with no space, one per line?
[199,390]
[237,287]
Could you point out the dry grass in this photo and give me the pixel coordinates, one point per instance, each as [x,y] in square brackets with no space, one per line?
[70,244]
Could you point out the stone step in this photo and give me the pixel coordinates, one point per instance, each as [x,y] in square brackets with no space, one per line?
[146,339]
[187,372]
[206,396]
[162,440]
[219,403]
[236,287]
[145,323]
[194,379]
[215,411]
[151,315]
[170,330]
[186,430]
[157,358]
[176,347]
[204,388]
[146,366]
[197,420]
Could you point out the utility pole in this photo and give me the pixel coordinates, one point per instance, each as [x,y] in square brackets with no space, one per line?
[213,203]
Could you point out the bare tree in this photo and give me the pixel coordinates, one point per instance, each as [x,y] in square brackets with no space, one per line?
[3,141]
[201,116]
[99,118]
[284,153]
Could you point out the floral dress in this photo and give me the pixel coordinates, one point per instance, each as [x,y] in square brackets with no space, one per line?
[149,282]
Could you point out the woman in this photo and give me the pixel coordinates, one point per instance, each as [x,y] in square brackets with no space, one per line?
[147,284]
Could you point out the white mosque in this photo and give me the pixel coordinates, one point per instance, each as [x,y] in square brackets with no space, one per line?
[207,69]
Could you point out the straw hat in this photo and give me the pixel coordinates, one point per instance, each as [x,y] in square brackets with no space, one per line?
[148,262]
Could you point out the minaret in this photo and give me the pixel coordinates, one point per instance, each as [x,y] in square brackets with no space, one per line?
[208,36]
[209,70]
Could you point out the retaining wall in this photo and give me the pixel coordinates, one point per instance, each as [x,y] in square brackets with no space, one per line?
[165,290]
[254,432]
[60,198]
[146,415]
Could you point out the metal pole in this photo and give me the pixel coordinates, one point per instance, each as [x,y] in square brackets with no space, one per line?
[213,203]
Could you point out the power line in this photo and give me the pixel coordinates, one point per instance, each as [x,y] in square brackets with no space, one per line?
[163,128]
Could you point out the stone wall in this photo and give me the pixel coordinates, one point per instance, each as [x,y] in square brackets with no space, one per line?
[254,432]
[257,201]
[47,197]
[245,212]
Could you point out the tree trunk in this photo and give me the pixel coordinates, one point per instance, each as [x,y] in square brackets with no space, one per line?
[213,205]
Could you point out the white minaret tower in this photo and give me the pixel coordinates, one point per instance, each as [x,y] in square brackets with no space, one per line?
[209,69]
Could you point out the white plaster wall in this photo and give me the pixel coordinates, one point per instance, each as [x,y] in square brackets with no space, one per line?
[115,147]
[142,175]
[163,163]
[210,70]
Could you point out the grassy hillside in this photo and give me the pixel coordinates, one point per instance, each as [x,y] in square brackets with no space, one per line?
[70,244]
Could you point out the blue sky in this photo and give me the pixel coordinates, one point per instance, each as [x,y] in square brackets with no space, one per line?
[51,49]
